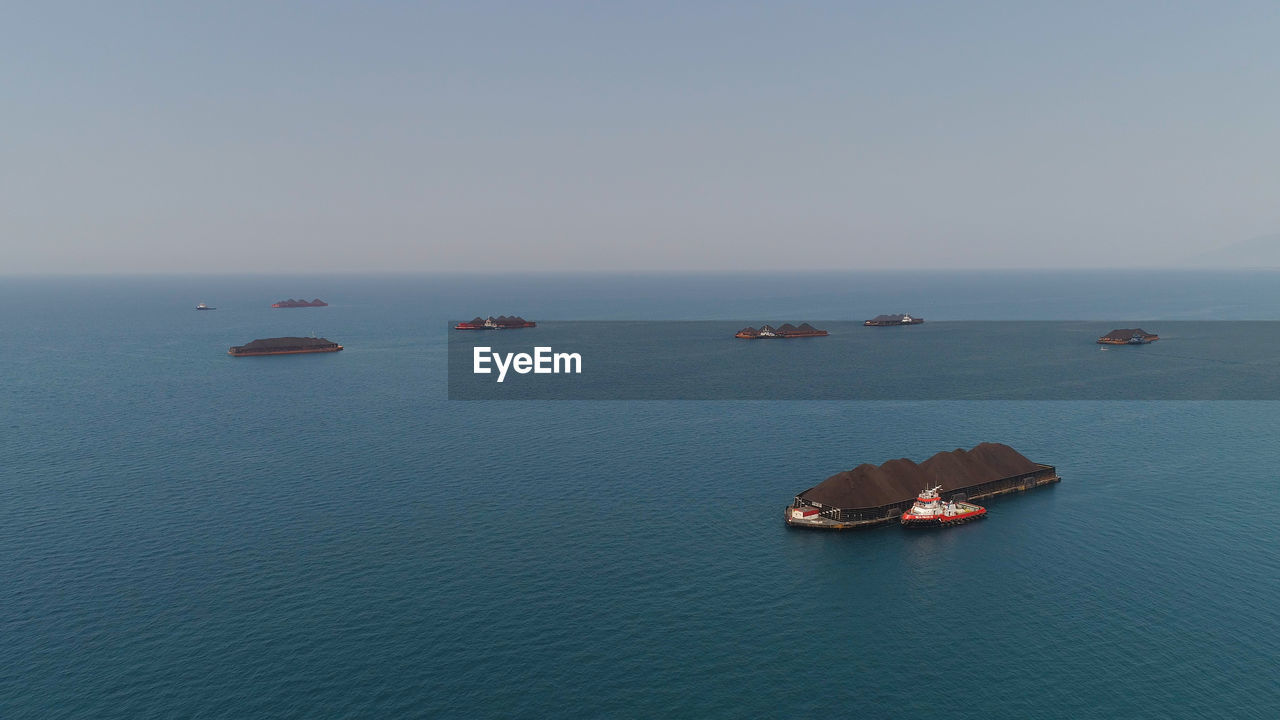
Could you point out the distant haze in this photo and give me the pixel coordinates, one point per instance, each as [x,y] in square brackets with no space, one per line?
[317,136]
[1259,252]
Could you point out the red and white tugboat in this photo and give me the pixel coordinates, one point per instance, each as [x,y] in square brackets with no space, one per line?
[930,510]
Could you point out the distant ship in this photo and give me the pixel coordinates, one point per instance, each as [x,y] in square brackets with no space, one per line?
[291,303]
[502,322]
[893,320]
[930,510]
[284,346]
[1128,336]
[786,330]
[202,306]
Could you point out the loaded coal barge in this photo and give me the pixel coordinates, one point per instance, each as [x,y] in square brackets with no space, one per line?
[291,303]
[893,320]
[1128,336]
[871,495]
[502,322]
[786,330]
[284,346]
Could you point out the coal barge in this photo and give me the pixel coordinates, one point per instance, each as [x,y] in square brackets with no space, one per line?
[871,495]
[284,346]
[502,322]
[291,303]
[893,320]
[1128,336]
[786,330]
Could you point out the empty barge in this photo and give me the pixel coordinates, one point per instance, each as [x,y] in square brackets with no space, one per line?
[871,495]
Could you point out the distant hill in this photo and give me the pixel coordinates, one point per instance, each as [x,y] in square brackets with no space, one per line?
[1259,252]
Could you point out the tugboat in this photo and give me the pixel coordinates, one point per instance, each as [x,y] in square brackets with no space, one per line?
[930,510]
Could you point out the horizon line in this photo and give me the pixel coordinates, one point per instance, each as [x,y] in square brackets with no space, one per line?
[468,272]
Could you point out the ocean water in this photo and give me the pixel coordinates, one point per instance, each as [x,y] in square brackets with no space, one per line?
[184,534]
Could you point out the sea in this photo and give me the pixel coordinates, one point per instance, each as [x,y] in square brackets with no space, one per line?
[184,534]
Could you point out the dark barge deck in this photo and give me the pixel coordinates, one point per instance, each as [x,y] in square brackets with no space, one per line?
[283,346]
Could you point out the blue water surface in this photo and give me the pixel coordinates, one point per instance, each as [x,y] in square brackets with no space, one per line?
[185,534]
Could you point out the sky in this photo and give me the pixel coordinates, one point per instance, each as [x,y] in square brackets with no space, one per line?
[605,136]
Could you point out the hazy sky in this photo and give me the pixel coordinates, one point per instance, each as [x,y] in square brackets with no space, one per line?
[314,136]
